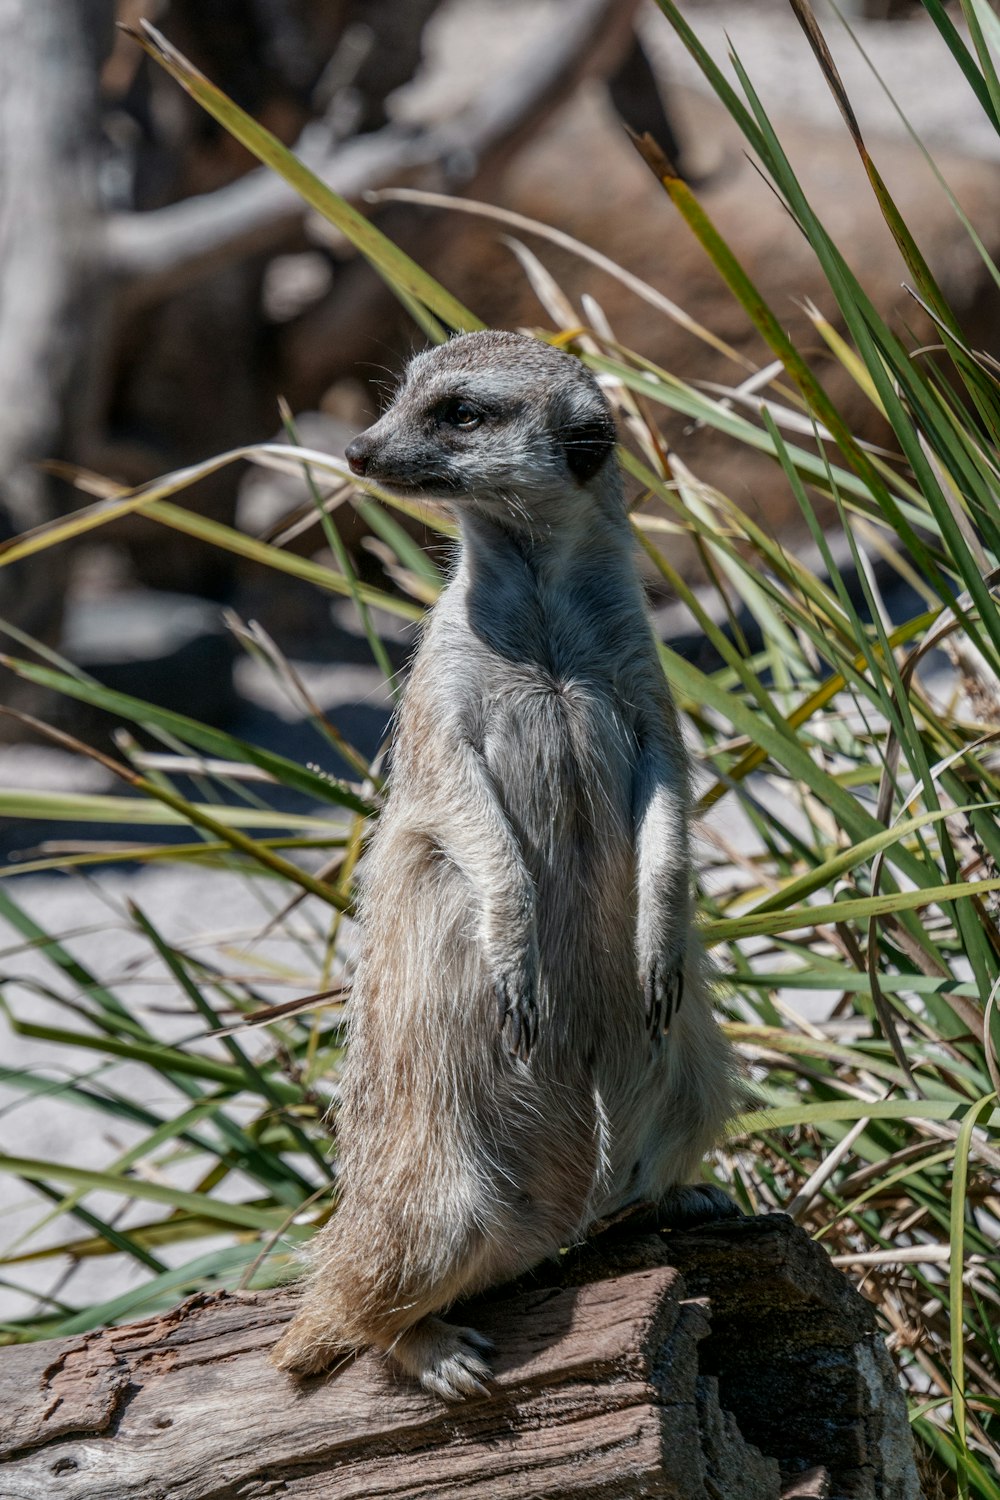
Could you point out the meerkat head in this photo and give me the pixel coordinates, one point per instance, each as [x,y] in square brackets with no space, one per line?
[497,423]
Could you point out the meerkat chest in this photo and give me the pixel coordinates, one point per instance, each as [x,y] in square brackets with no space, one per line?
[560,749]
[553,691]
[542,681]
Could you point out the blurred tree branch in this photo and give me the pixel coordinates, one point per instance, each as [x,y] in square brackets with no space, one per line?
[51,268]
[161,251]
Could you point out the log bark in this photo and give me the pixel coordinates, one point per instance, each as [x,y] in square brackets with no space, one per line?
[729,1361]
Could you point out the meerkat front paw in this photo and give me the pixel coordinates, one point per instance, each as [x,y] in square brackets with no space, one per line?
[517,1020]
[517,1009]
[663,991]
[448,1361]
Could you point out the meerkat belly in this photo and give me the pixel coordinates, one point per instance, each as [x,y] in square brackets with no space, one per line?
[564,765]
[562,757]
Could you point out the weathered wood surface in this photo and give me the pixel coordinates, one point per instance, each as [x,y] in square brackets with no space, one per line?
[612,1380]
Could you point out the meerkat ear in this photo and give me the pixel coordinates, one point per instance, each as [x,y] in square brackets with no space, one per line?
[586,445]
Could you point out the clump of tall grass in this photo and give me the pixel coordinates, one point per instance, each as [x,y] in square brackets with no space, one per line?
[865,872]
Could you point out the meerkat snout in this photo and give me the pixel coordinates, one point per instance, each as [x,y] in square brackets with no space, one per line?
[357,454]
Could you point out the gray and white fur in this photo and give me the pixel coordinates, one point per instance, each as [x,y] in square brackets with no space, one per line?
[520,1062]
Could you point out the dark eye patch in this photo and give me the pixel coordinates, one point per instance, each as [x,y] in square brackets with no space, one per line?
[457,412]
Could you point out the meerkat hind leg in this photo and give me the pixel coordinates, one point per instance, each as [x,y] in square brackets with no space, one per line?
[697,1203]
[307,1348]
[445,1359]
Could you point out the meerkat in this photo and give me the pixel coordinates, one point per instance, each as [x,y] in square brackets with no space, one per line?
[531,1040]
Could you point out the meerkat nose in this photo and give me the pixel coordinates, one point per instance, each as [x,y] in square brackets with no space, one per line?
[357,454]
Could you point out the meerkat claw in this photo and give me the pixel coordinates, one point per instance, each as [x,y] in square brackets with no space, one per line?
[529,1025]
[459,1376]
[449,1362]
[520,1032]
[517,1022]
[663,990]
[673,994]
[654,1009]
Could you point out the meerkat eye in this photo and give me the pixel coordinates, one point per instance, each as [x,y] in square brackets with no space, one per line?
[459,413]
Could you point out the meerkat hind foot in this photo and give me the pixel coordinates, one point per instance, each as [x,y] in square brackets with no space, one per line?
[697,1203]
[448,1361]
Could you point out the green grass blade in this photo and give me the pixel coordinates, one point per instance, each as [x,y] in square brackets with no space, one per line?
[58,955]
[218,1267]
[895,377]
[156,1055]
[841,1111]
[985,34]
[288,1184]
[974,377]
[959,1202]
[720,83]
[165,1131]
[118,1239]
[832,869]
[96,807]
[965,60]
[202,737]
[238,1215]
[409,552]
[336,545]
[785,749]
[151,500]
[216,534]
[213,855]
[848,910]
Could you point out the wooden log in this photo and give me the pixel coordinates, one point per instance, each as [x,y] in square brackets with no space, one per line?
[612,1380]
